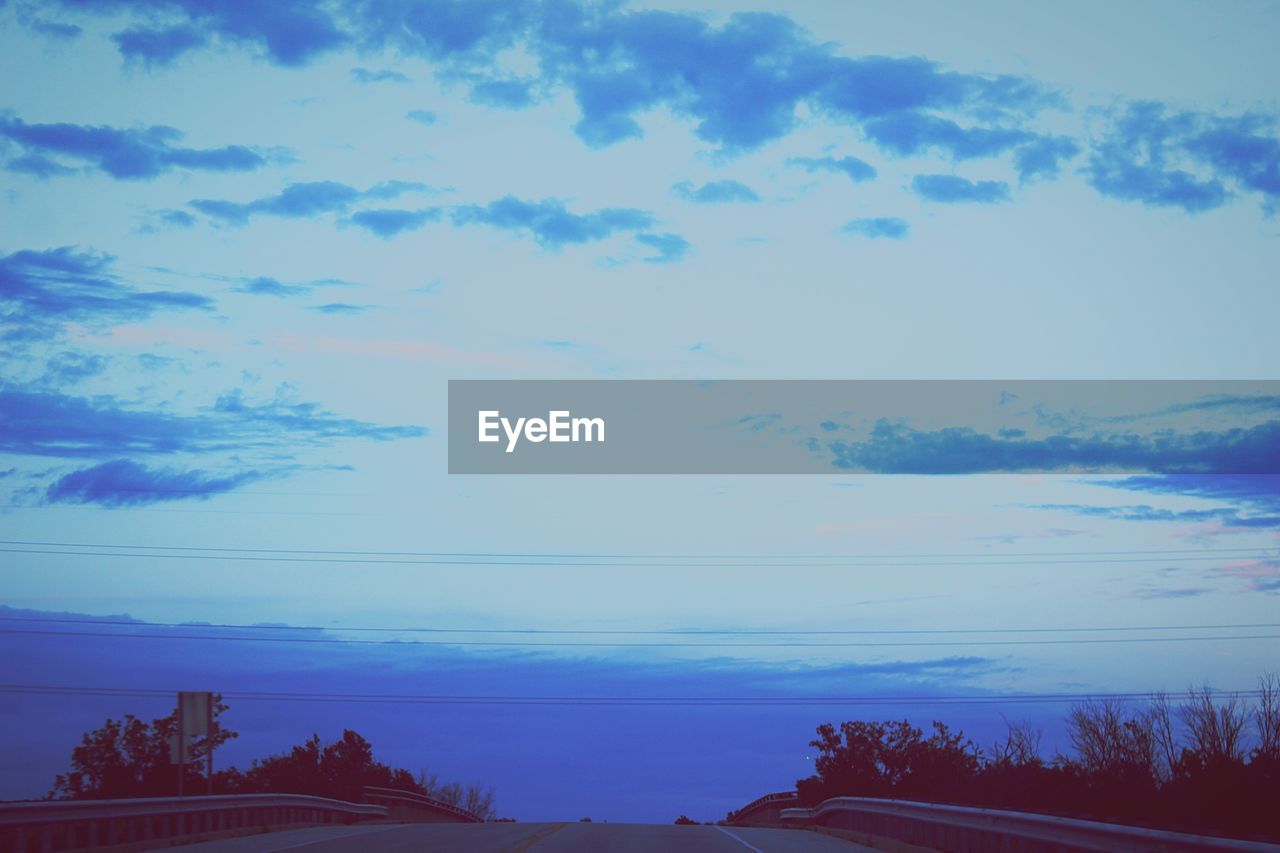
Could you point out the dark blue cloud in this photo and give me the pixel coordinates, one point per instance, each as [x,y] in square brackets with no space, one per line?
[1043,157]
[386,75]
[127,154]
[302,200]
[287,32]
[121,482]
[158,47]
[899,449]
[715,192]
[953,189]
[883,226]
[1194,161]
[46,423]
[426,117]
[911,133]
[40,291]
[550,222]
[670,247]
[1252,500]
[388,223]
[857,170]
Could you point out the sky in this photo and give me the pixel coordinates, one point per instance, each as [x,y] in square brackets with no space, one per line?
[243,250]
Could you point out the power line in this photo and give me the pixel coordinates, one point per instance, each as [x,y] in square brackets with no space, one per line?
[623,701]
[596,564]
[622,556]
[637,631]
[600,644]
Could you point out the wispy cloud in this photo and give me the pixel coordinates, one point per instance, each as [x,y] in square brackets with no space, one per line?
[121,482]
[42,291]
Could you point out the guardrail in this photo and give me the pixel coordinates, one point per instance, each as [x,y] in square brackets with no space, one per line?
[407,805]
[974,830]
[48,826]
[766,809]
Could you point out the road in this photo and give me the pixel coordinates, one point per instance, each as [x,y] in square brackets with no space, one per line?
[533,837]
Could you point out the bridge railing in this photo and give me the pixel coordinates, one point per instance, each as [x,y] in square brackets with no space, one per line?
[46,826]
[975,830]
[407,805]
[764,809]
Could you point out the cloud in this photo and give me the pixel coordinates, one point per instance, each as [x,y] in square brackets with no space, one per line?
[126,154]
[900,449]
[952,189]
[715,192]
[388,223]
[511,94]
[302,200]
[911,133]
[884,226]
[1259,492]
[340,308]
[550,222]
[1043,157]
[66,367]
[267,286]
[670,247]
[426,117]
[1259,575]
[856,170]
[36,422]
[740,83]
[288,32]
[121,482]
[53,29]
[1190,160]
[158,47]
[365,76]
[41,291]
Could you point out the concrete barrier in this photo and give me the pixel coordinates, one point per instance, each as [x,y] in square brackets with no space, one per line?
[47,826]
[962,829]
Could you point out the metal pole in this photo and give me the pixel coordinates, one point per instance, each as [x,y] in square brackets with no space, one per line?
[182,748]
[208,734]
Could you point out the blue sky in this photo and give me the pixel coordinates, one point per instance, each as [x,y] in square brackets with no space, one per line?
[241,253]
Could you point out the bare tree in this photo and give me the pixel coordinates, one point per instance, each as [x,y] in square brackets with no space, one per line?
[1109,740]
[1215,729]
[1160,718]
[1020,747]
[1267,716]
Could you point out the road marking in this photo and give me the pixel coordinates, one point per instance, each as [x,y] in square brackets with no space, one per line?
[334,838]
[739,840]
[530,840]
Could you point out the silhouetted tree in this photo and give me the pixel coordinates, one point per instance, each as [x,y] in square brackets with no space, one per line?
[130,758]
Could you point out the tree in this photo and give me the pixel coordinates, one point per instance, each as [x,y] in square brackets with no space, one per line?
[130,758]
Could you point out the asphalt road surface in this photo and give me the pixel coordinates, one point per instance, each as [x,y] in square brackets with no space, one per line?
[539,837]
